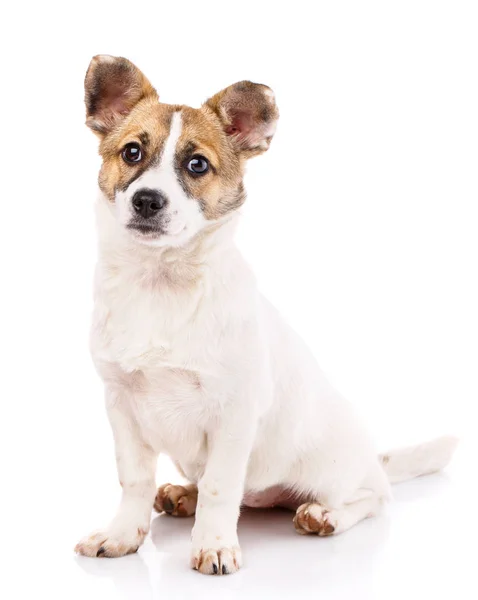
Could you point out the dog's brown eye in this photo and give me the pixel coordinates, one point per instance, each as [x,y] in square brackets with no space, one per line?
[132,153]
[198,165]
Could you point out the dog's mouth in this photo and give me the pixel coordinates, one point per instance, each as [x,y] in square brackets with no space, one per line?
[146,229]
[150,231]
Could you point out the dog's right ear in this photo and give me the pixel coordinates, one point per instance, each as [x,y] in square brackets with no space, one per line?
[113,86]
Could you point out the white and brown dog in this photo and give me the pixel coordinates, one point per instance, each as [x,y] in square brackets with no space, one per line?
[196,363]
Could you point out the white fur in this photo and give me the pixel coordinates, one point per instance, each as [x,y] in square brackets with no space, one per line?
[197,364]
[406,463]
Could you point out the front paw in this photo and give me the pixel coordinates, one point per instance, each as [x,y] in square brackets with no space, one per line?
[222,561]
[216,554]
[110,543]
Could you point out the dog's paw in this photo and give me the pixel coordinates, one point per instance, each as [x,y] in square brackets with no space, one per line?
[176,500]
[314,518]
[110,544]
[217,561]
[215,552]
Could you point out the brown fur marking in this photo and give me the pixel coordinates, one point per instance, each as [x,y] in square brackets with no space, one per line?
[235,124]
[306,523]
[176,500]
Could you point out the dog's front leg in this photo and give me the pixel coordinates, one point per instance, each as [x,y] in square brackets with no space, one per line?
[136,464]
[215,544]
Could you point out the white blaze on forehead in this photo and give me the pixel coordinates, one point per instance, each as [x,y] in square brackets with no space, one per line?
[163,177]
[182,214]
[170,147]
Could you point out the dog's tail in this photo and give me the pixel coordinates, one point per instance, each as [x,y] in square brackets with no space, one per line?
[407,463]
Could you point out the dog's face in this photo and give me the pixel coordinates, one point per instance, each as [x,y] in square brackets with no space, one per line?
[169,170]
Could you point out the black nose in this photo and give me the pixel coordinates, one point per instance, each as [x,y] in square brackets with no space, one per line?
[148,202]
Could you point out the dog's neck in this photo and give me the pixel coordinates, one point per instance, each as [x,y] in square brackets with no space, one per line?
[175,267]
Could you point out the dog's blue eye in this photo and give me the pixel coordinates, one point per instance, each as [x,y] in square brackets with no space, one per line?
[198,165]
[132,153]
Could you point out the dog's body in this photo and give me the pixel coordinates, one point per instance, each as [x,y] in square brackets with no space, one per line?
[185,348]
[198,365]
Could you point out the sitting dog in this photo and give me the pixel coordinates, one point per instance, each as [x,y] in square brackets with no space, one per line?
[195,362]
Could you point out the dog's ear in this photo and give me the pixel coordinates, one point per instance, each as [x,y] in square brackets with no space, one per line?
[249,115]
[113,86]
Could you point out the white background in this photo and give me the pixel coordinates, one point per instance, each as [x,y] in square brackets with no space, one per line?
[361,224]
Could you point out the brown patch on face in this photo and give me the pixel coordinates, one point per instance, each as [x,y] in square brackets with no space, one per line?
[220,189]
[218,192]
[147,125]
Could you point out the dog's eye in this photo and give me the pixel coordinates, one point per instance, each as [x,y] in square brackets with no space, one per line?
[198,165]
[132,153]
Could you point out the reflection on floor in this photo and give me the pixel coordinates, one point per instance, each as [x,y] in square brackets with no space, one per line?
[415,550]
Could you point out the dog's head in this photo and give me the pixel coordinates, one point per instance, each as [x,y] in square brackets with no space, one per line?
[170,170]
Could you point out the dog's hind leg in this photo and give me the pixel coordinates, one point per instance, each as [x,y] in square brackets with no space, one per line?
[313,517]
[177,500]
[333,510]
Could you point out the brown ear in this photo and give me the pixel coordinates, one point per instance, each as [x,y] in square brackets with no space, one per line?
[113,86]
[249,115]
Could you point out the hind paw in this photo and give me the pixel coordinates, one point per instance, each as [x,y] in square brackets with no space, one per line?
[176,500]
[314,518]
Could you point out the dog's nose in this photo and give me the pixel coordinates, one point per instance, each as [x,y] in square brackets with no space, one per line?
[148,202]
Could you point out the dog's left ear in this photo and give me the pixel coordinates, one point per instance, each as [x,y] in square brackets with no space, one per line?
[113,87]
[249,115]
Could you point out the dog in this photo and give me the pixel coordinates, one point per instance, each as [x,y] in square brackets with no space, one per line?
[195,362]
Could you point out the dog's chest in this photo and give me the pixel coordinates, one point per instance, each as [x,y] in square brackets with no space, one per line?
[171,406]
[152,345]
[147,329]
[173,351]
